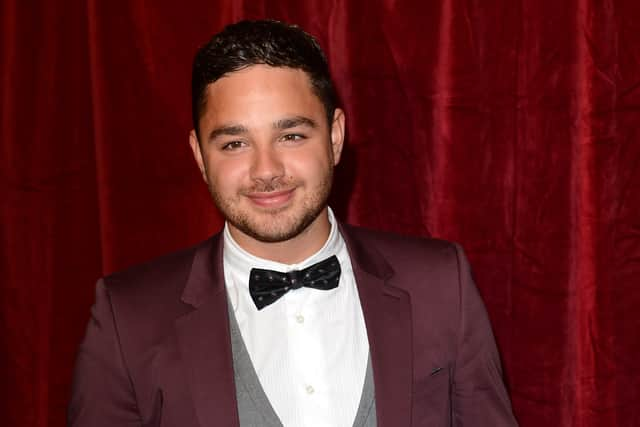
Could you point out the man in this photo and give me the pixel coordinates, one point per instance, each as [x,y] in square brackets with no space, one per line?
[287,317]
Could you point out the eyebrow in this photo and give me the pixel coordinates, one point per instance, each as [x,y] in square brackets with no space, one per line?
[232,130]
[282,124]
[291,122]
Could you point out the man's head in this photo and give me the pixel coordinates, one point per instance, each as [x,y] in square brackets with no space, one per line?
[268,133]
[266,42]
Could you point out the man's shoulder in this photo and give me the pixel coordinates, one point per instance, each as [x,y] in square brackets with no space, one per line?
[163,275]
[417,264]
[394,245]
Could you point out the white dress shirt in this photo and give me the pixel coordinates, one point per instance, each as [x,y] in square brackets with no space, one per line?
[310,347]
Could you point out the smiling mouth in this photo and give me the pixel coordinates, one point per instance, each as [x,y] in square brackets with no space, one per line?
[271,199]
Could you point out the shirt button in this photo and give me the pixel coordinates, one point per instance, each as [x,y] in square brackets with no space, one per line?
[300,318]
[310,389]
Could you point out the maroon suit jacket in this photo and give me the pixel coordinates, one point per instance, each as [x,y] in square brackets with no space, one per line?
[157,349]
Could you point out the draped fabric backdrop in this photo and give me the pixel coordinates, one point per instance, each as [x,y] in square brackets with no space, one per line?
[510,126]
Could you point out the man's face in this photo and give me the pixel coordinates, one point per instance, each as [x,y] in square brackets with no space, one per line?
[267,152]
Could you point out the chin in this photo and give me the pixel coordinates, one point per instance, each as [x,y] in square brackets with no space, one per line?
[272,233]
[275,227]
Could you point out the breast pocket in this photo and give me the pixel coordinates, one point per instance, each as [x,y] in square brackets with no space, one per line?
[431,400]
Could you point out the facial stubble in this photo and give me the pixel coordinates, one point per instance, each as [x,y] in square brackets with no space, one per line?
[288,222]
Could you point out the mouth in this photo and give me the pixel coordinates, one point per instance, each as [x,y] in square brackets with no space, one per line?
[271,199]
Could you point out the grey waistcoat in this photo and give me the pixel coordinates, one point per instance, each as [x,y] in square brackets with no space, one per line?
[254,408]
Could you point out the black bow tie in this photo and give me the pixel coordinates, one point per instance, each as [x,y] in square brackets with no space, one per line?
[266,286]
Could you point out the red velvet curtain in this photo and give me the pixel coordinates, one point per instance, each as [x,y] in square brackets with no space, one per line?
[510,126]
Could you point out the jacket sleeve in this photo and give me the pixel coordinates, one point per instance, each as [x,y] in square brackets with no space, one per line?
[479,396]
[102,392]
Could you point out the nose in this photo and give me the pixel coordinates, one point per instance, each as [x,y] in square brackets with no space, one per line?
[267,165]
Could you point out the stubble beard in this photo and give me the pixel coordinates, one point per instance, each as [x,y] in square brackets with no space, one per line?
[278,225]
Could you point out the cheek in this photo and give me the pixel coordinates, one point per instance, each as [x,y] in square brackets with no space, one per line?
[226,175]
[312,166]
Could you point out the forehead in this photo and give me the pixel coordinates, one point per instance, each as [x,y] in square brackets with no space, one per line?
[261,93]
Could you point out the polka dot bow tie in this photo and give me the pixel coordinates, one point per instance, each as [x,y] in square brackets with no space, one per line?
[266,286]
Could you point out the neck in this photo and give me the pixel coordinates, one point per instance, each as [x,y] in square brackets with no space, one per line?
[291,251]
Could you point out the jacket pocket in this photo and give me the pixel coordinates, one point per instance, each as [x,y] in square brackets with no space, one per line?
[431,399]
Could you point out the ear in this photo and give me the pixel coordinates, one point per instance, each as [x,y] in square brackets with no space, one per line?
[197,154]
[337,134]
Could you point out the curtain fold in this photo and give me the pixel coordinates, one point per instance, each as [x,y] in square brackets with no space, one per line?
[512,127]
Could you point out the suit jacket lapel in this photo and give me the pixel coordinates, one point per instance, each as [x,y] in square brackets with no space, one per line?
[387,315]
[204,339]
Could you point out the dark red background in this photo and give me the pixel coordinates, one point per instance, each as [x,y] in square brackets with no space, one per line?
[510,126]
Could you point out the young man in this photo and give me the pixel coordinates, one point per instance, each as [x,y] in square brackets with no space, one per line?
[287,317]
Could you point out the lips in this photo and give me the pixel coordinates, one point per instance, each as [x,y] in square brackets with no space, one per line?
[271,199]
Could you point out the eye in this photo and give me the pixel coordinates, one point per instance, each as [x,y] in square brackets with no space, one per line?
[292,137]
[232,145]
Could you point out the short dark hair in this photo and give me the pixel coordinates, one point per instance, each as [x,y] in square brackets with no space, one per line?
[267,42]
